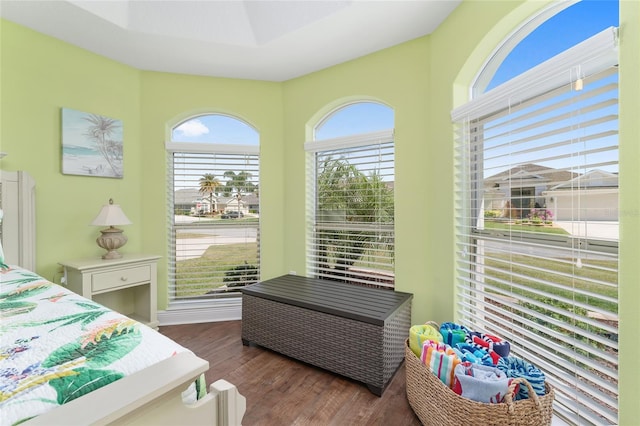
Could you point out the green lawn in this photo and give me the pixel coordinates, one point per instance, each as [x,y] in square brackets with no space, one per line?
[567,311]
[567,285]
[195,277]
[520,228]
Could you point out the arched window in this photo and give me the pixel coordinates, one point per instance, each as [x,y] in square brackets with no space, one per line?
[354,119]
[214,212]
[352,214]
[542,38]
[537,205]
[215,129]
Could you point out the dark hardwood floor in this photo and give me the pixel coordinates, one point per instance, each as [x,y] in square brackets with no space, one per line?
[281,391]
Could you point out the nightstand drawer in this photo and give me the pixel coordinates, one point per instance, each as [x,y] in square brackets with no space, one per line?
[123,277]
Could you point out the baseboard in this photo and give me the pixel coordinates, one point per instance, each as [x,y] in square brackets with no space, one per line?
[193,312]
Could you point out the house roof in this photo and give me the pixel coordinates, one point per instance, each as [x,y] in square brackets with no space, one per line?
[593,179]
[531,174]
[186,196]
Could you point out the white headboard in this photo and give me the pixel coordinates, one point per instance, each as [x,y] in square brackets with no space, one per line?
[18,232]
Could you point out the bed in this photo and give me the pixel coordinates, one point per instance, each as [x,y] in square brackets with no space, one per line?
[65,359]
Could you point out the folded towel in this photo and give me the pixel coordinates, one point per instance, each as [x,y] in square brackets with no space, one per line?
[441,362]
[474,354]
[492,343]
[418,334]
[453,333]
[480,383]
[516,367]
[438,346]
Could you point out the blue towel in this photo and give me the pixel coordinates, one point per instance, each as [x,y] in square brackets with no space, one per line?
[516,367]
[453,333]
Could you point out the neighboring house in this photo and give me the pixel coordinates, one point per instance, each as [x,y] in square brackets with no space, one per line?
[568,195]
[592,196]
[231,205]
[252,202]
[203,205]
[191,201]
[183,200]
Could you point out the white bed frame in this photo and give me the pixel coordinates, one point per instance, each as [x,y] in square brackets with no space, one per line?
[18,202]
[152,396]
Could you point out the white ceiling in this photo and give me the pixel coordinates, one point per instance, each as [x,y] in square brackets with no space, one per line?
[260,39]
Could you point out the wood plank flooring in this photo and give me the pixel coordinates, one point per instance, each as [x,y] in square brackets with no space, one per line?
[281,391]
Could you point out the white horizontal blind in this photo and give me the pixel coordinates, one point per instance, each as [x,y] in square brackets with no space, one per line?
[537,231]
[352,235]
[214,237]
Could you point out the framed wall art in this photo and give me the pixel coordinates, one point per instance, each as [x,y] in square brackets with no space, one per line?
[92,144]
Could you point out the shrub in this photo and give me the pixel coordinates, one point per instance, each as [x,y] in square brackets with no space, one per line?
[241,275]
[492,213]
[540,215]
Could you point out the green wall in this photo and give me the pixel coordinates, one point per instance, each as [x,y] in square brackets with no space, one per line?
[39,76]
[629,296]
[399,78]
[421,80]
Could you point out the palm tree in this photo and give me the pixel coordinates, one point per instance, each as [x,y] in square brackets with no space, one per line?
[358,198]
[238,185]
[101,132]
[208,185]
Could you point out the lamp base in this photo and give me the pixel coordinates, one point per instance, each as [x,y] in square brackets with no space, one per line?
[111,240]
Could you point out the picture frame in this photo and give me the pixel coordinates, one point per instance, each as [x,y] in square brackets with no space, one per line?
[92,144]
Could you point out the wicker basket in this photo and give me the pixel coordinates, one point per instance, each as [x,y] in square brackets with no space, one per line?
[435,404]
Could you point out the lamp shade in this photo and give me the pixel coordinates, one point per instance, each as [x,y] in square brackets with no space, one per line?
[111,214]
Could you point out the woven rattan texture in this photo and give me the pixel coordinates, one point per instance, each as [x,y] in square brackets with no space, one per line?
[435,404]
[364,352]
[396,331]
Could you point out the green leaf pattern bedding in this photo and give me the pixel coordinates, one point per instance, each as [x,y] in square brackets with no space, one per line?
[56,346]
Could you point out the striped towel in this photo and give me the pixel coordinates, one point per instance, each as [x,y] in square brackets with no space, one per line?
[516,367]
[440,359]
[453,333]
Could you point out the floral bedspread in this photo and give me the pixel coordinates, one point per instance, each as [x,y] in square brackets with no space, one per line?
[56,346]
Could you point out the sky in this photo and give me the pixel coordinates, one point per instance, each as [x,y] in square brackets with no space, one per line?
[221,129]
[569,27]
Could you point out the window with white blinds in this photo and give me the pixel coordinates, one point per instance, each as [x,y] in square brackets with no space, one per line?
[351,216]
[214,213]
[537,223]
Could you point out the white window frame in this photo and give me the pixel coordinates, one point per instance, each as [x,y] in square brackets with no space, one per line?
[588,58]
[317,147]
[189,311]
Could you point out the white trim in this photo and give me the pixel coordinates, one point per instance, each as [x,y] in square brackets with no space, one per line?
[589,57]
[221,148]
[361,139]
[572,192]
[491,65]
[199,311]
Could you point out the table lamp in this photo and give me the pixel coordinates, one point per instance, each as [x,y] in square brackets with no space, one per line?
[112,238]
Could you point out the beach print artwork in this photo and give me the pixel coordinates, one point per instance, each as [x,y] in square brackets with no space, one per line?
[91,144]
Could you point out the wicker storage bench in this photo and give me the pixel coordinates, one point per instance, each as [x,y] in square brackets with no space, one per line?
[354,331]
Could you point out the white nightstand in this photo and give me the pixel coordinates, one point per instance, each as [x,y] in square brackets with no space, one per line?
[127,285]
